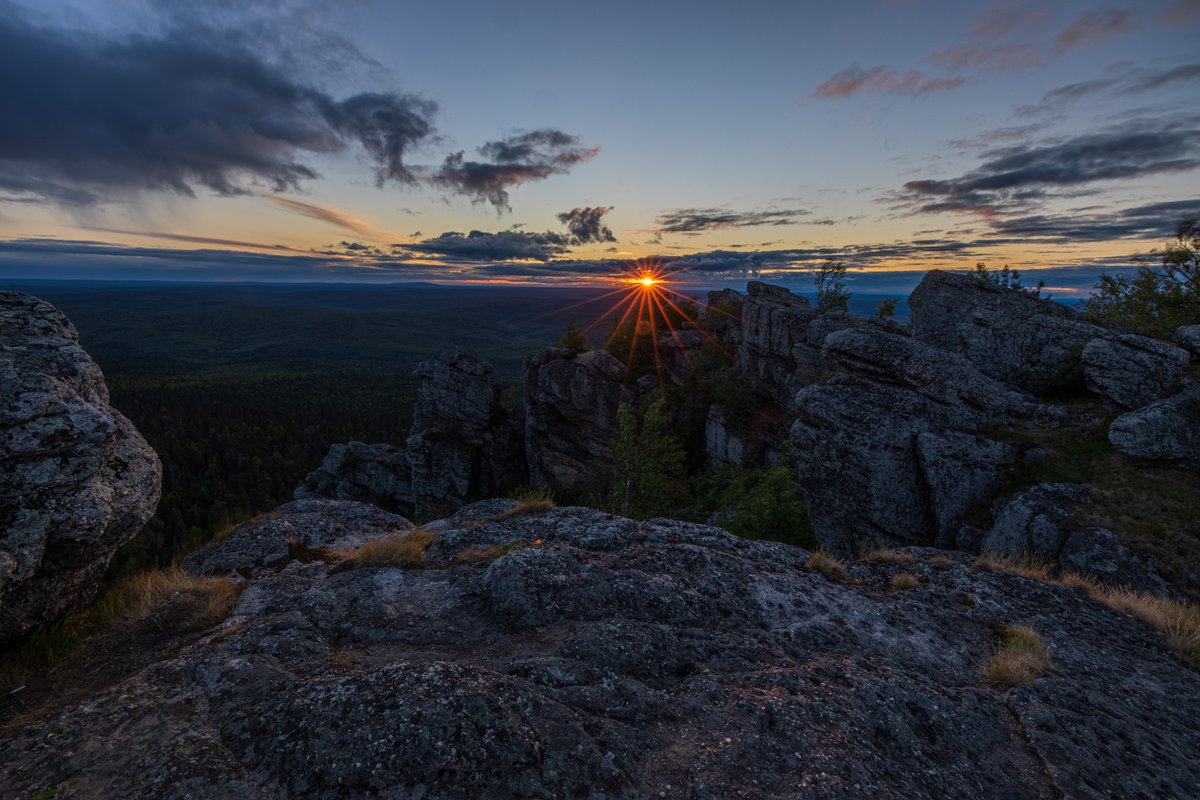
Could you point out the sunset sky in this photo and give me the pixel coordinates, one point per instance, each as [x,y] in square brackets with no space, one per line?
[537,141]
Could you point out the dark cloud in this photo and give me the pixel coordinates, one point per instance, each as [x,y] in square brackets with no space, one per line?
[1182,73]
[855,79]
[501,246]
[1124,82]
[694,220]
[1016,178]
[586,225]
[86,116]
[1093,27]
[1151,221]
[511,162]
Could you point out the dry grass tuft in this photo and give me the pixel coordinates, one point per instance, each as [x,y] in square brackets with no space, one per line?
[903,580]
[827,565]
[1018,565]
[147,594]
[1178,623]
[1020,657]
[941,561]
[887,555]
[404,549]
[530,501]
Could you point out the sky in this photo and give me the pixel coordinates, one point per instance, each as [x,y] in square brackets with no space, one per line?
[550,142]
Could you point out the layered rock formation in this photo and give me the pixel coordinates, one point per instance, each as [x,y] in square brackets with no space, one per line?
[463,445]
[888,450]
[593,656]
[1024,341]
[1168,430]
[1132,371]
[571,403]
[76,479]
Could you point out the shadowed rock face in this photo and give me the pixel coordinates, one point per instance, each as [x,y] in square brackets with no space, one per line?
[571,403]
[76,479]
[1029,343]
[1132,371]
[887,450]
[599,657]
[1168,430]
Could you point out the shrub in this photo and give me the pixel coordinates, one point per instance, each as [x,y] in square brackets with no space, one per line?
[831,292]
[1020,657]
[647,462]
[573,338]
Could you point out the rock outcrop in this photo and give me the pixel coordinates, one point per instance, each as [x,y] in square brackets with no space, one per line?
[571,403]
[77,481]
[1132,371]
[887,450]
[1024,341]
[1168,430]
[594,656]
[1188,337]
[1036,524]
[773,322]
[463,445]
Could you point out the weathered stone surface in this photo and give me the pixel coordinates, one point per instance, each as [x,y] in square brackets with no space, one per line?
[269,541]
[855,439]
[1188,337]
[1097,552]
[774,321]
[1132,371]
[571,402]
[1034,522]
[619,659]
[1168,430]
[1014,337]
[760,441]
[371,473]
[961,471]
[76,479]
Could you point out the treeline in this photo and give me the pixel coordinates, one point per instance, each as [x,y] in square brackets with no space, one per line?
[233,446]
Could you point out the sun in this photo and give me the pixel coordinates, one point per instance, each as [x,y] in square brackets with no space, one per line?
[644,301]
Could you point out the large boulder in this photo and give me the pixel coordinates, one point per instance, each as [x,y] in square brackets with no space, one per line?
[1168,430]
[867,473]
[578,654]
[1131,370]
[1188,337]
[77,481]
[1008,334]
[571,403]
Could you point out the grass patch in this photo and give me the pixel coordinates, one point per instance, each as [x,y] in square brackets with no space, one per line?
[408,548]
[1020,657]
[886,555]
[1152,508]
[476,554]
[533,501]
[903,580]
[1018,565]
[941,562]
[827,565]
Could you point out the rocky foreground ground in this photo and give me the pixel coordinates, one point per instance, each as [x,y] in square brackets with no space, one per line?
[572,653]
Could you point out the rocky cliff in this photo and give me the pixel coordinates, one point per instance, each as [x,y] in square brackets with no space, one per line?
[76,479]
[572,653]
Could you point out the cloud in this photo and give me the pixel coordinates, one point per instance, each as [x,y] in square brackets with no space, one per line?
[694,220]
[184,237]
[1093,27]
[1180,12]
[585,224]
[87,117]
[501,246]
[1126,81]
[1007,19]
[1182,73]
[993,58]
[323,213]
[855,79]
[1017,178]
[510,162]
[1150,221]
